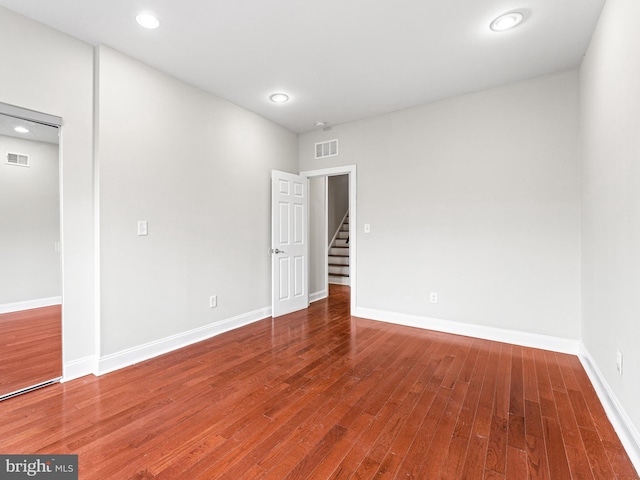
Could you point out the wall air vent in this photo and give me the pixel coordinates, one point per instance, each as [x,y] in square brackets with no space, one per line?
[17,159]
[327,149]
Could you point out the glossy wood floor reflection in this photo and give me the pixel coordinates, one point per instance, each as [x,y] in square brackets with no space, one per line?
[30,348]
[322,395]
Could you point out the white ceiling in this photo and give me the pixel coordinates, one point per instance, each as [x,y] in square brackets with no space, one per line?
[339,60]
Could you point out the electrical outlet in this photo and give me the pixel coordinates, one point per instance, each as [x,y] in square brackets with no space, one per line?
[367,228]
[213,301]
[434,297]
[619,362]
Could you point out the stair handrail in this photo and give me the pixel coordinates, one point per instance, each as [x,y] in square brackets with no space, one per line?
[339,227]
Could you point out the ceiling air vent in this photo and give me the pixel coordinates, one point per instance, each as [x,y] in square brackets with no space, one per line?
[17,159]
[327,149]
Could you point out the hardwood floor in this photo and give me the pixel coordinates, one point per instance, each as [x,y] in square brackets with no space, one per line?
[321,395]
[30,348]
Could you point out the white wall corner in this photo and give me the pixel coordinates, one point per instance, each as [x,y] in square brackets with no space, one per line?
[525,339]
[622,424]
[78,368]
[131,356]
[314,297]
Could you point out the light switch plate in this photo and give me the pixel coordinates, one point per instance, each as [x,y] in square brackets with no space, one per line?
[143,228]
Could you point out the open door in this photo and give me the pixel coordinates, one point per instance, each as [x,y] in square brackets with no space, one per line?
[289,243]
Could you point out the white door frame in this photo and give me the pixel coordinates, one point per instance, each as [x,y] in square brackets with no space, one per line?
[353,215]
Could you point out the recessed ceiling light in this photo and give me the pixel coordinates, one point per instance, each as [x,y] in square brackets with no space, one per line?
[279,97]
[321,124]
[506,21]
[21,130]
[147,20]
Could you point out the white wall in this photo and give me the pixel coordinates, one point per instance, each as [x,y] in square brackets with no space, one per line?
[53,73]
[29,222]
[476,198]
[610,120]
[193,165]
[197,169]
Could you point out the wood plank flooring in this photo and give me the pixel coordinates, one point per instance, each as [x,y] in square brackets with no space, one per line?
[319,394]
[30,348]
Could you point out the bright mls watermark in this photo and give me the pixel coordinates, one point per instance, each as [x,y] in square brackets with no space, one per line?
[50,467]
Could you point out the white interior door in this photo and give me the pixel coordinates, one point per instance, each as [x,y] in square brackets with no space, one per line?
[289,243]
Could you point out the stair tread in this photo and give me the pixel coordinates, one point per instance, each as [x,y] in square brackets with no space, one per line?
[339,251]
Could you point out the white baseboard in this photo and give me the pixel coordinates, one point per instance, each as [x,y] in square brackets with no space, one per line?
[624,427]
[78,368]
[131,356]
[314,297]
[29,304]
[525,339]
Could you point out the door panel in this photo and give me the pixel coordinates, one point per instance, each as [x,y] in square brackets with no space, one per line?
[289,207]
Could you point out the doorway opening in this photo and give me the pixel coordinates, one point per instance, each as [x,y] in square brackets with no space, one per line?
[324,222]
[338,230]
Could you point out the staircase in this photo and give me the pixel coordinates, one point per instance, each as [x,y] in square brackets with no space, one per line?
[339,255]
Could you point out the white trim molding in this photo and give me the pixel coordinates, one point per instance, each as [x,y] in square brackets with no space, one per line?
[29,304]
[140,353]
[78,368]
[622,424]
[525,339]
[314,297]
